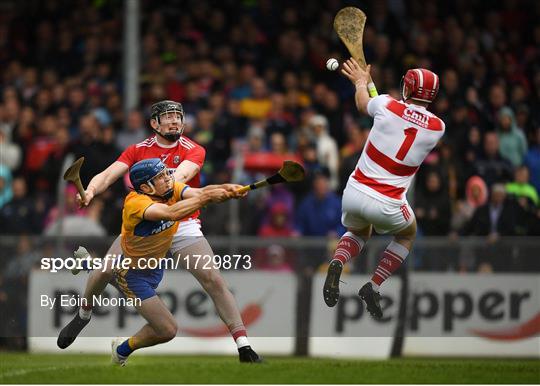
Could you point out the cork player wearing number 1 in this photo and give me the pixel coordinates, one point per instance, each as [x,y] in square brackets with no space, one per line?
[403,134]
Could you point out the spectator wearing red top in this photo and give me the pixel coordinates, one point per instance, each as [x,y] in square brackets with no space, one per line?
[279,224]
[39,149]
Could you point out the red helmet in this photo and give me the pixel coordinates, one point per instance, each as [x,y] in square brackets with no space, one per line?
[420,84]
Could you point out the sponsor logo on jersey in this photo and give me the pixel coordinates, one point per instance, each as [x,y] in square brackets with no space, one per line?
[161,227]
[416,117]
[148,228]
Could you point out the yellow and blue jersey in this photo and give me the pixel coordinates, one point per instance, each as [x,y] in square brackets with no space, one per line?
[144,238]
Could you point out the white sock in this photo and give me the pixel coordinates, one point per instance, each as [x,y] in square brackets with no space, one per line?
[85,314]
[375,286]
[242,341]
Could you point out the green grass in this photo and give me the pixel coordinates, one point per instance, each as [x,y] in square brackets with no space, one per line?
[27,368]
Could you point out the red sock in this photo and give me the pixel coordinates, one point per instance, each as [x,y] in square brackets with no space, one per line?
[348,247]
[238,331]
[392,258]
[239,335]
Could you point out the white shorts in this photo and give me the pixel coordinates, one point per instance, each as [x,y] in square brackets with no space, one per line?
[360,210]
[189,232]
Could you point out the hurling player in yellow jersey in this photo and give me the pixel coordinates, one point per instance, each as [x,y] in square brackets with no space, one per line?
[149,221]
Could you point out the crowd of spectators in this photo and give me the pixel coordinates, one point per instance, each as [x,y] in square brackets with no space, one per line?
[251,77]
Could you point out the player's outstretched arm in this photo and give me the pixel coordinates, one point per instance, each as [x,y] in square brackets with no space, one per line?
[186,171]
[194,199]
[360,78]
[102,181]
[177,211]
[231,189]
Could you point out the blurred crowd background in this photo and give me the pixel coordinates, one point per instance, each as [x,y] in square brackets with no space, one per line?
[252,79]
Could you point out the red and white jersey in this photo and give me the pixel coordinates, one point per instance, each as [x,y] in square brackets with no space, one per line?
[171,155]
[400,139]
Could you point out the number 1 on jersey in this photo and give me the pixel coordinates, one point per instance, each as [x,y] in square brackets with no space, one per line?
[410,135]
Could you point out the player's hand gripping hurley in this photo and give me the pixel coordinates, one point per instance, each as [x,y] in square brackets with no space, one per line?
[349,25]
[290,172]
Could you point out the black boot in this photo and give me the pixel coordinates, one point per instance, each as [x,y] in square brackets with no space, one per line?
[331,284]
[71,331]
[372,299]
[247,355]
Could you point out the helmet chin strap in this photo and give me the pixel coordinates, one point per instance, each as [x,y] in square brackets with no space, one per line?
[151,185]
[168,194]
[402,89]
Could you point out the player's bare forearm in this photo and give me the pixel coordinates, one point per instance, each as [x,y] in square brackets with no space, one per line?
[194,199]
[186,171]
[361,97]
[106,178]
[210,187]
[217,193]
[360,78]
[98,184]
[177,211]
[188,206]
[228,187]
[231,188]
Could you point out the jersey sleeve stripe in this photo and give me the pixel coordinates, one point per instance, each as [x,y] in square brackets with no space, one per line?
[388,163]
[187,140]
[186,144]
[146,144]
[183,190]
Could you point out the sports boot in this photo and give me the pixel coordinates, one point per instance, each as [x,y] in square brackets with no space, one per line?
[69,333]
[247,355]
[331,284]
[372,299]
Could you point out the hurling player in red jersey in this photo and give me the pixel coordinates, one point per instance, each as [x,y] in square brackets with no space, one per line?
[186,158]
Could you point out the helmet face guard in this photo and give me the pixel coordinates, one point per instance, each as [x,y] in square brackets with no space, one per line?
[419,84]
[166,112]
[145,171]
[169,193]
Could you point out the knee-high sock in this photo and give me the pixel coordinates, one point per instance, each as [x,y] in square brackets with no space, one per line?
[392,258]
[348,247]
[127,347]
[239,335]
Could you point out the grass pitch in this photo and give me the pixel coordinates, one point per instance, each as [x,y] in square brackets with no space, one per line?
[29,368]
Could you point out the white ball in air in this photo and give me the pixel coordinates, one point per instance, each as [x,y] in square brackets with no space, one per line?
[332,64]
